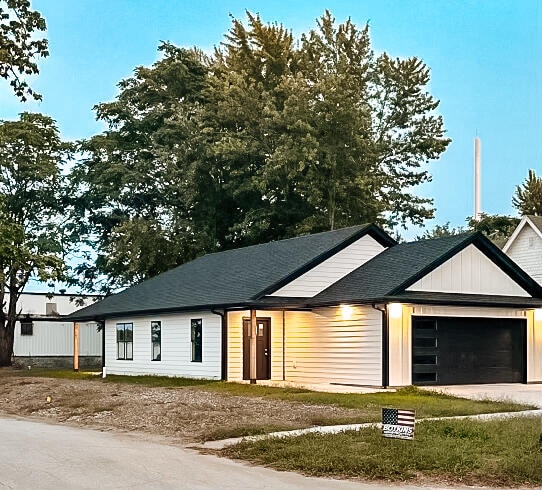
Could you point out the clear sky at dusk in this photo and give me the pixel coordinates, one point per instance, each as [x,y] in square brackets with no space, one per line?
[485,58]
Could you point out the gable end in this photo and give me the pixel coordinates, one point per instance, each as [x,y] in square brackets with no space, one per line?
[492,252]
[379,235]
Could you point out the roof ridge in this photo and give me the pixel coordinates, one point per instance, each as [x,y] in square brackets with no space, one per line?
[305,235]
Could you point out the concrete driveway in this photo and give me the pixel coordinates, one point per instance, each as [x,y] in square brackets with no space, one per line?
[519,393]
[36,455]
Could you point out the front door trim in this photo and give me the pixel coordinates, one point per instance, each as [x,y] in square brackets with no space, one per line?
[263,348]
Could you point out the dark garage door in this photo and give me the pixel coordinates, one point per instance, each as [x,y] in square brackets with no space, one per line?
[449,350]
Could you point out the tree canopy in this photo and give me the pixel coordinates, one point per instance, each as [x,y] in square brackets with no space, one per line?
[18,48]
[31,213]
[497,227]
[528,196]
[266,139]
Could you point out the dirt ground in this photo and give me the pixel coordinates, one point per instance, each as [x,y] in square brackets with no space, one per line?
[184,415]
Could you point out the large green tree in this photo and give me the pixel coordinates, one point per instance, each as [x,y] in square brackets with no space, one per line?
[133,187]
[31,213]
[266,139]
[18,48]
[319,135]
[528,196]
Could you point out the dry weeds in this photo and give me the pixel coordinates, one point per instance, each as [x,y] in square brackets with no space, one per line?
[183,414]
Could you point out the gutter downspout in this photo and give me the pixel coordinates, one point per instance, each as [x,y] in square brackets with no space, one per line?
[102,327]
[224,343]
[385,345]
[283,346]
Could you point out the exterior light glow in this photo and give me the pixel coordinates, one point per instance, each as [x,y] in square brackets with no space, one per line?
[395,310]
[538,314]
[347,312]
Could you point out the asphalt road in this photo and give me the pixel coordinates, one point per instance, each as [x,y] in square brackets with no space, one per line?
[41,456]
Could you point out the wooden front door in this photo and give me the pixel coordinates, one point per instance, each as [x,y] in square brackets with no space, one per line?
[263,348]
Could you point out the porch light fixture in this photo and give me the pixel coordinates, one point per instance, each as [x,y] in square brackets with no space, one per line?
[395,310]
[538,314]
[346,312]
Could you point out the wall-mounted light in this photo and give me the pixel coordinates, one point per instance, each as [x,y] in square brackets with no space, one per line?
[538,314]
[346,312]
[395,310]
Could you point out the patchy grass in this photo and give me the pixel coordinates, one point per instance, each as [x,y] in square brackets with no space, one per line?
[55,373]
[497,453]
[158,381]
[426,403]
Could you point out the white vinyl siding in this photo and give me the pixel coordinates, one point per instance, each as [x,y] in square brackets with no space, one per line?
[235,342]
[176,346]
[469,272]
[526,251]
[331,270]
[56,339]
[319,346]
[51,338]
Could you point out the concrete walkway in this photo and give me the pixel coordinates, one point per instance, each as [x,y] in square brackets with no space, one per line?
[513,392]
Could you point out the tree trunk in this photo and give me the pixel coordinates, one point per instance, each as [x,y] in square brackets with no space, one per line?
[6,343]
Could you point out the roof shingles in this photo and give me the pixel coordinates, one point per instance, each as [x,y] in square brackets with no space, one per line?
[226,278]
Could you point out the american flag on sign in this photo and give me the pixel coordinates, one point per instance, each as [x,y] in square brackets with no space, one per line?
[398,423]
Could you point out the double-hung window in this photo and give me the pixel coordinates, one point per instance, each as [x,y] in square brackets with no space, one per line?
[196,336]
[156,340]
[125,341]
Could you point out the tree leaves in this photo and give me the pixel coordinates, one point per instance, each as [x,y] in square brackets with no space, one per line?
[18,50]
[31,211]
[267,139]
[528,197]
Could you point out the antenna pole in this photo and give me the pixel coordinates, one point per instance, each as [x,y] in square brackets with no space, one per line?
[477,179]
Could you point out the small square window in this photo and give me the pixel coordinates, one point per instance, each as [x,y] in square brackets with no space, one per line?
[27,328]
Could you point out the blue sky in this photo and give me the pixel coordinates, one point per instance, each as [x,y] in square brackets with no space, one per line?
[485,58]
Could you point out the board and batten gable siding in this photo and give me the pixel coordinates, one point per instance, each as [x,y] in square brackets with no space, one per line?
[469,272]
[176,346]
[318,347]
[331,270]
[56,339]
[526,251]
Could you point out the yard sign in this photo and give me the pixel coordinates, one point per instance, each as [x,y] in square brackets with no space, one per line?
[398,423]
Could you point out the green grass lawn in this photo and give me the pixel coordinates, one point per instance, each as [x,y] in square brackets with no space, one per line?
[498,453]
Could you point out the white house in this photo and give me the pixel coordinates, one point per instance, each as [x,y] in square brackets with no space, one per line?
[348,307]
[43,338]
[524,247]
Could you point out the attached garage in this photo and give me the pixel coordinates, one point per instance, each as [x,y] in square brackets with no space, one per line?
[450,350]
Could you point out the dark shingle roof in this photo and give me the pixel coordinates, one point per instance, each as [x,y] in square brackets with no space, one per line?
[232,277]
[395,269]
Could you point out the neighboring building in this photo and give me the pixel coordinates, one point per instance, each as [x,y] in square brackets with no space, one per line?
[43,338]
[347,307]
[524,247]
